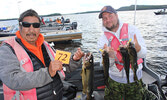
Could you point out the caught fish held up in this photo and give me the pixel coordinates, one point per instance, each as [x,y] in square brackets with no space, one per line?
[106,64]
[133,58]
[87,74]
[126,60]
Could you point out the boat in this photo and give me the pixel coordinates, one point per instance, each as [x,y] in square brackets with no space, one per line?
[53,25]
[8,31]
[150,79]
[51,31]
[54,36]
[161,12]
[74,81]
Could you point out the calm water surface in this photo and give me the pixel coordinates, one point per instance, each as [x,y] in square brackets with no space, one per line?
[152,27]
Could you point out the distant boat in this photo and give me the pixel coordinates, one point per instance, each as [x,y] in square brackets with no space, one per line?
[161,12]
[8,31]
[52,31]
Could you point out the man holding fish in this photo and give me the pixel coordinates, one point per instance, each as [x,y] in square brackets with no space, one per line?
[29,69]
[121,41]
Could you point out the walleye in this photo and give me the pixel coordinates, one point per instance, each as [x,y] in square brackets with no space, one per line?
[126,60]
[129,58]
[87,74]
[106,64]
[133,58]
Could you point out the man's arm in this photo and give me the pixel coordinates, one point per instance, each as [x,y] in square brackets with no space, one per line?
[75,60]
[12,76]
[140,40]
[73,65]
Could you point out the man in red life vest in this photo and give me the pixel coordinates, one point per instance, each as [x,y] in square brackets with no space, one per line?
[27,66]
[115,34]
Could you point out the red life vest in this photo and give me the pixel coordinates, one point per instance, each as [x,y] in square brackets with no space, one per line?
[115,43]
[27,66]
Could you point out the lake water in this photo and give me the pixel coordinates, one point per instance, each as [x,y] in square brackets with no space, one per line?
[153,28]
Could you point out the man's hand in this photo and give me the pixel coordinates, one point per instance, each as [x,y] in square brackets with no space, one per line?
[110,51]
[54,67]
[137,46]
[78,54]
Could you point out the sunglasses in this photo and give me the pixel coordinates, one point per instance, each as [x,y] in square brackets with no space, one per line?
[26,24]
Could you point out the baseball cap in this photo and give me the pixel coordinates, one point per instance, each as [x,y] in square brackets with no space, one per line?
[108,9]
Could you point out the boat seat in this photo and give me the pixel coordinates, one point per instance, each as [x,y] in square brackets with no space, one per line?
[147,79]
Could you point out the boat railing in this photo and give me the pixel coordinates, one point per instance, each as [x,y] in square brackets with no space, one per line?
[14,29]
[159,78]
[150,72]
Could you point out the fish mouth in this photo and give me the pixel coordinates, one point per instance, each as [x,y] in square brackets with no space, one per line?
[87,56]
[87,59]
[131,45]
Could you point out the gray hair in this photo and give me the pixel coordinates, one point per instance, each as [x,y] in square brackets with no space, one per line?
[29,12]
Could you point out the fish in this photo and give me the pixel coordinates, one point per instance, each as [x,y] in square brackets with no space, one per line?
[133,58]
[87,75]
[126,60]
[106,64]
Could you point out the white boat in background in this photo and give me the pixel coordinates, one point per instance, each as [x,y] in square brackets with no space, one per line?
[52,31]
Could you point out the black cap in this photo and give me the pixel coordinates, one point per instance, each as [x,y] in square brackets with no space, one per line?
[108,9]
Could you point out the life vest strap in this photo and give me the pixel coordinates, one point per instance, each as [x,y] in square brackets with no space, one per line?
[118,62]
[125,39]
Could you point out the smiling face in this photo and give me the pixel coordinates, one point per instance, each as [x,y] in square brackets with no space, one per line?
[110,21]
[30,34]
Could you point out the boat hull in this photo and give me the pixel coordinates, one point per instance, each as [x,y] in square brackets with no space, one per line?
[160,13]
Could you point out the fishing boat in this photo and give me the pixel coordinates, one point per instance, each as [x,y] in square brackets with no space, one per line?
[150,79]
[161,12]
[8,31]
[74,80]
[59,35]
[51,31]
[44,28]
[59,26]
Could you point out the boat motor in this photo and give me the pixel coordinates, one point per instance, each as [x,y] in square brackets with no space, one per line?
[74,25]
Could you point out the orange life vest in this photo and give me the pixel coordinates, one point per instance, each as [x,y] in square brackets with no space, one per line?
[114,42]
[27,66]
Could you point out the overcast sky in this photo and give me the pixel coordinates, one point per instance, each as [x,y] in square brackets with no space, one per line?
[12,8]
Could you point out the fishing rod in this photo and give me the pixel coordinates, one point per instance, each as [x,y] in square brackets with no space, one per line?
[135,12]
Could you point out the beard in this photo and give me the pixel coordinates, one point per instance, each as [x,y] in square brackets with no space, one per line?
[113,27]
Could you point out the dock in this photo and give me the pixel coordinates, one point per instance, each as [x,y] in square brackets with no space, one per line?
[59,35]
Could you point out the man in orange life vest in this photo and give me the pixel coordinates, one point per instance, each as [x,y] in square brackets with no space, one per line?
[114,29]
[27,66]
